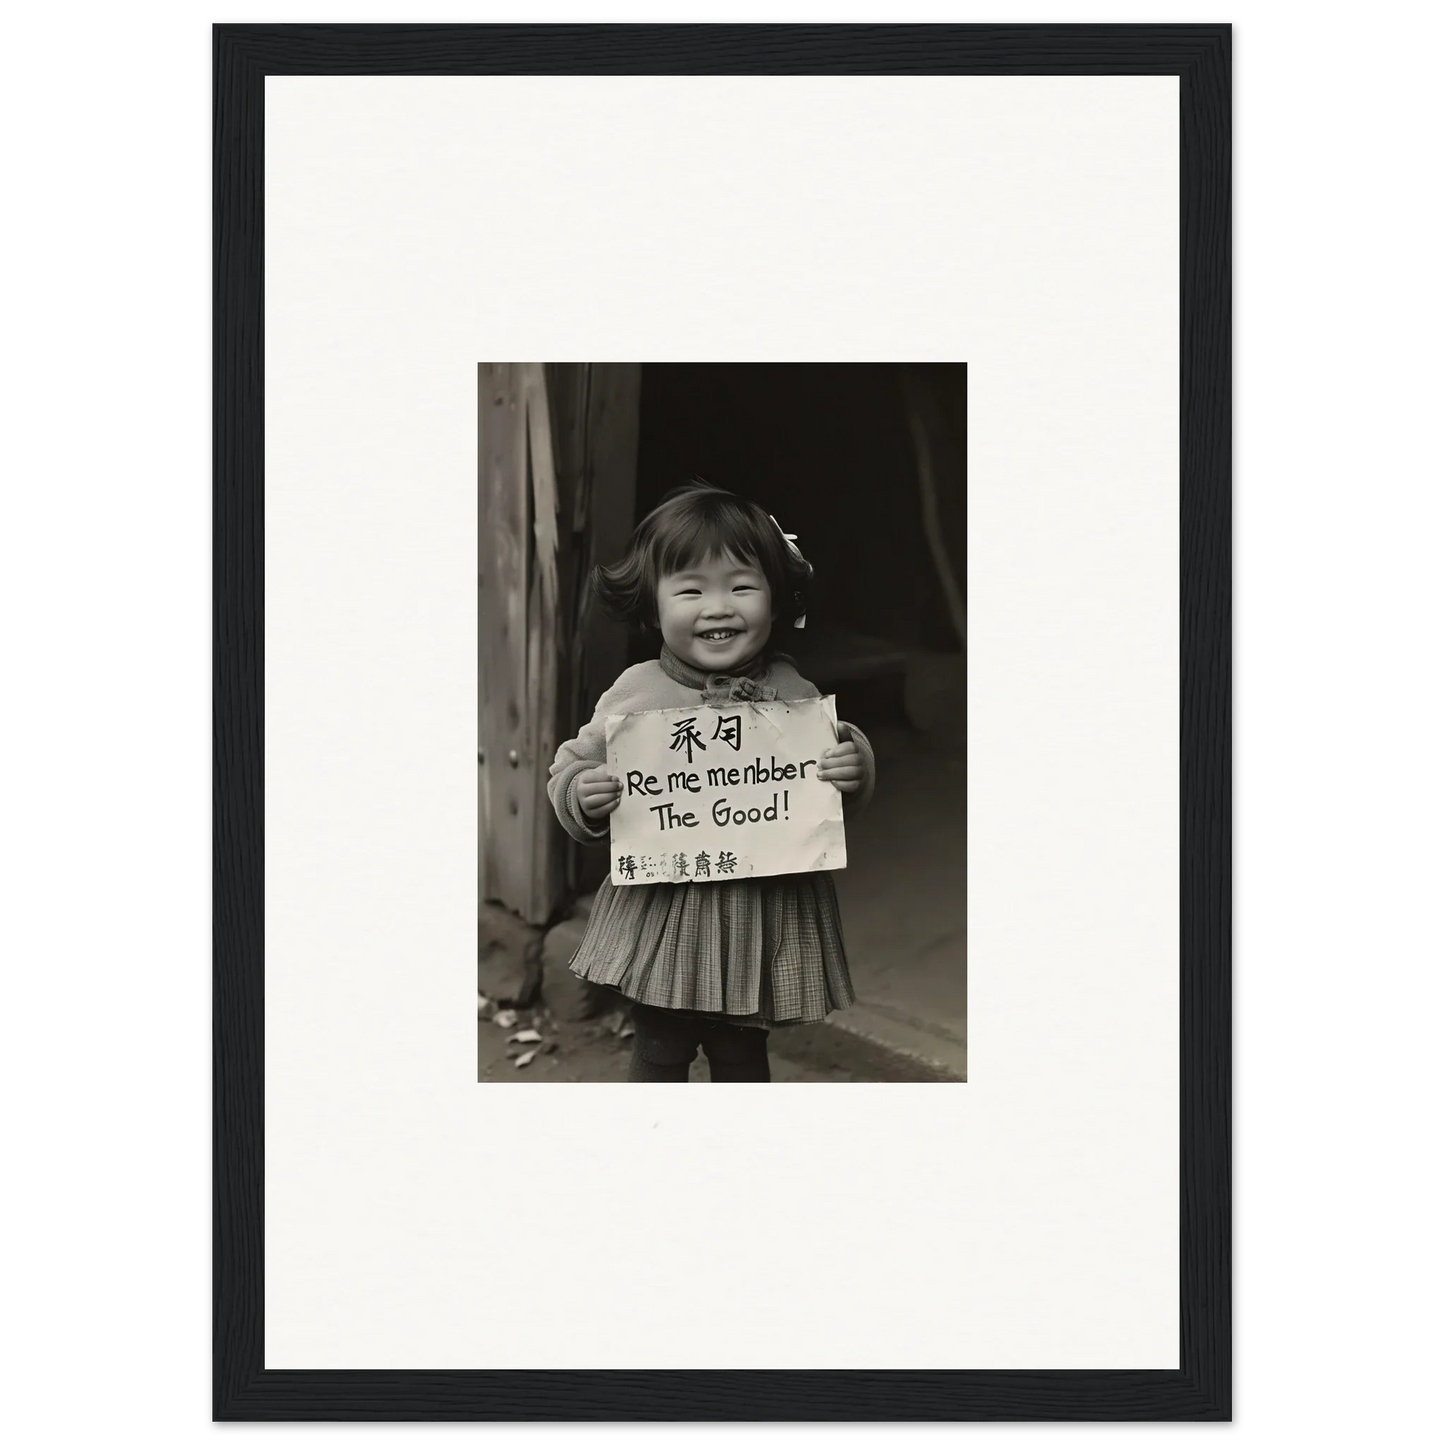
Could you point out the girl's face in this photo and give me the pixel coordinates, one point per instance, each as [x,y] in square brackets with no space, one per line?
[716,614]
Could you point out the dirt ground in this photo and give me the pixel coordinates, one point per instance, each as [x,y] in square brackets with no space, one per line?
[904,898]
[598,1051]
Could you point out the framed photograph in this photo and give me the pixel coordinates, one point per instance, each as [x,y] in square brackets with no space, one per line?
[722,576]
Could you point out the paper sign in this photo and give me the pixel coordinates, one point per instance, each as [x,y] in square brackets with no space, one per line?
[711,793]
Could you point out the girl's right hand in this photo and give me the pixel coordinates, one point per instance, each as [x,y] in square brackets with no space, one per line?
[598,792]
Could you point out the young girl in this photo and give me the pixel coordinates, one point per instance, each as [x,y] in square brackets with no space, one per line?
[712,963]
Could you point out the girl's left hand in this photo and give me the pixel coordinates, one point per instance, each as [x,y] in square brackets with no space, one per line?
[842,765]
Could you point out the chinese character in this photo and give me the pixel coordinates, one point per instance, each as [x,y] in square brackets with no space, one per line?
[730,730]
[726,863]
[684,735]
[627,866]
[701,867]
[679,863]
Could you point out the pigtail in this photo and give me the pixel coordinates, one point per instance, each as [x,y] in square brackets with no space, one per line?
[800,564]
[624,591]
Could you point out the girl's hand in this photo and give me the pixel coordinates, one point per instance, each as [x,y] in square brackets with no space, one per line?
[842,765]
[598,792]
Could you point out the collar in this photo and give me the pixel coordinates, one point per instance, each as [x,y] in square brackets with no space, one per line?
[745,683]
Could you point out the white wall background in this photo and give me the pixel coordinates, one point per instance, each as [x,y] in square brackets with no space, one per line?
[1027,225]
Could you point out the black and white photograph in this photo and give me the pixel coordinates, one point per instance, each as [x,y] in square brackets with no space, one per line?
[722,634]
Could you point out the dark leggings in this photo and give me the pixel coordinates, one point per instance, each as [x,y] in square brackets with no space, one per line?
[666,1042]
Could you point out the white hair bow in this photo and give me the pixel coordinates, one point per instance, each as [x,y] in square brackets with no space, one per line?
[791,538]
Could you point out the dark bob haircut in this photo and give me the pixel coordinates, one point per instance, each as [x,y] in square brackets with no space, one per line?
[694,523]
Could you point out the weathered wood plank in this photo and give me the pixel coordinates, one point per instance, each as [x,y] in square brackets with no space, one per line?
[483,800]
[503,587]
[613,408]
[545,649]
[614,402]
[594,413]
[567,384]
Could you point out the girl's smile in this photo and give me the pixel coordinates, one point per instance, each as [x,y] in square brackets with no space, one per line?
[717,614]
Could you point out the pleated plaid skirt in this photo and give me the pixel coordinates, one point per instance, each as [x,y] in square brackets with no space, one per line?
[757,950]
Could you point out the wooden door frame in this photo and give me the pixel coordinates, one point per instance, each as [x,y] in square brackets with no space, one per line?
[557,462]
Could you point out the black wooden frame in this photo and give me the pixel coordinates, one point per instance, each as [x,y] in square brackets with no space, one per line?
[1200,56]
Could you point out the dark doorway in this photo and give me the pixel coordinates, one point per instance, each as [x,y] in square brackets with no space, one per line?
[827,449]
